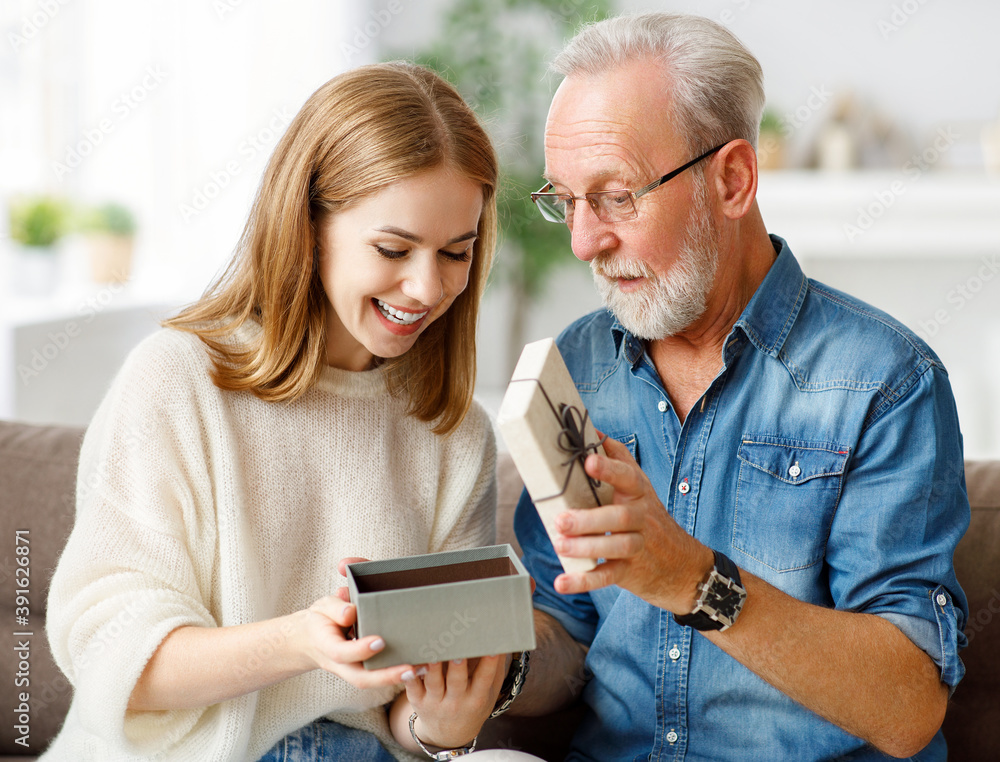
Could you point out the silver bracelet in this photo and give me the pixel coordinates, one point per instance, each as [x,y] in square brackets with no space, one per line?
[444,754]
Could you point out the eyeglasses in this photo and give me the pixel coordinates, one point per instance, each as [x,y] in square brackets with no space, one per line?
[610,205]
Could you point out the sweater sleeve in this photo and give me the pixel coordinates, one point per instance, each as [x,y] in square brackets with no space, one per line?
[467,502]
[129,574]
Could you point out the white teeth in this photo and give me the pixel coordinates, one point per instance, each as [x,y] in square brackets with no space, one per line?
[398,316]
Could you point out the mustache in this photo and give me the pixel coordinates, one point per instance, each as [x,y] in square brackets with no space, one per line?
[612,268]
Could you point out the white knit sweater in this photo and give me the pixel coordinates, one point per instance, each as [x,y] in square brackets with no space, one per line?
[197,506]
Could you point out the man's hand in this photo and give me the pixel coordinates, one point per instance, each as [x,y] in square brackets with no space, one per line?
[645,550]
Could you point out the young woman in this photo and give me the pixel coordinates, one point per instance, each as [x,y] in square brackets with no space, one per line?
[315,405]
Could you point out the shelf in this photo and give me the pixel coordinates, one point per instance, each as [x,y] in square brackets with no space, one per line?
[890,215]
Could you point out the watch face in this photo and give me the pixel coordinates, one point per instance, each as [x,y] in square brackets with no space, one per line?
[725,597]
[728,602]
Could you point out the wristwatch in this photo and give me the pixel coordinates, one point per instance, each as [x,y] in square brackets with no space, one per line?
[720,598]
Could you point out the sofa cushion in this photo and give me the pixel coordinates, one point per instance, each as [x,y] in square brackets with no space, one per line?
[37,480]
[972,725]
[37,484]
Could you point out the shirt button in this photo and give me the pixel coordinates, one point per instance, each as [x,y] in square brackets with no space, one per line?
[794,470]
[941,599]
[684,487]
[662,406]
[672,737]
[674,653]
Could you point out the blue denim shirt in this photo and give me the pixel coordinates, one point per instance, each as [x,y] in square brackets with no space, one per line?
[826,459]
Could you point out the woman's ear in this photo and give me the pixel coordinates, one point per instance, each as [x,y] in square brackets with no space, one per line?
[736,182]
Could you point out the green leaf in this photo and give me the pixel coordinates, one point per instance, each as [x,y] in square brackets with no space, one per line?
[37,220]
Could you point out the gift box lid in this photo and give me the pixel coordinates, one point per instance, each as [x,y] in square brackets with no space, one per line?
[548,434]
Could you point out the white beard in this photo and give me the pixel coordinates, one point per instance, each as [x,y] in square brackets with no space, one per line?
[665,305]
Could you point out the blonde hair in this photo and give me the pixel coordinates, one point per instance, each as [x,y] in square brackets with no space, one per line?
[358,133]
[717,85]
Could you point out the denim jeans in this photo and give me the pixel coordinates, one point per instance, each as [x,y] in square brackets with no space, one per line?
[326,741]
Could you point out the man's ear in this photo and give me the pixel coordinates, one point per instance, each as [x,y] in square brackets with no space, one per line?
[735,180]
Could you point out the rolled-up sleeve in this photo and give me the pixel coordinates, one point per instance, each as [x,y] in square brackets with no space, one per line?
[903,510]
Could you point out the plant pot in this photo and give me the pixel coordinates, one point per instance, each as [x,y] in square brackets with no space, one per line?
[110,257]
[35,270]
[770,150]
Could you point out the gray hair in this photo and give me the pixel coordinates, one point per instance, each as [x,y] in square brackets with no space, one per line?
[716,84]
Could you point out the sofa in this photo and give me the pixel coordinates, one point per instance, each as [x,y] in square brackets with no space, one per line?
[37,473]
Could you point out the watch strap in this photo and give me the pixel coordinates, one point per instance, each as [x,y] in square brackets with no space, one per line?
[700,619]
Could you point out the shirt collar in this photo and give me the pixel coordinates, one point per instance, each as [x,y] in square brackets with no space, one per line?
[772,310]
[766,320]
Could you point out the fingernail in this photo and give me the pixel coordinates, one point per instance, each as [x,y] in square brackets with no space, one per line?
[457,661]
[563,522]
[378,644]
[422,671]
[408,675]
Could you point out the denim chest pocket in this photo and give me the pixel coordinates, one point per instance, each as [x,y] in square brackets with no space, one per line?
[786,496]
[629,440]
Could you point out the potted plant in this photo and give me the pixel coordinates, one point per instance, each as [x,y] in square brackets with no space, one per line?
[501,71]
[771,143]
[36,225]
[110,231]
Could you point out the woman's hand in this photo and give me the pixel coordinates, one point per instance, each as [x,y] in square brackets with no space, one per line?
[453,701]
[325,644]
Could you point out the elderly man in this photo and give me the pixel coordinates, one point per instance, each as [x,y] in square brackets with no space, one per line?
[776,579]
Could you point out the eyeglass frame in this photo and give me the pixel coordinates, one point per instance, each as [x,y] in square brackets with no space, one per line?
[633,195]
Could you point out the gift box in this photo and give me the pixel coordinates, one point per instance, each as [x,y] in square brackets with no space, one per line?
[549,435]
[441,606]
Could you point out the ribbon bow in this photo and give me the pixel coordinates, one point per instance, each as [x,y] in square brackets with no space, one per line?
[572,442]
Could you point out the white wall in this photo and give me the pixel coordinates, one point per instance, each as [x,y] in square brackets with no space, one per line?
[923,66]
[191,90]
[169,107]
